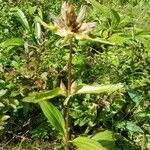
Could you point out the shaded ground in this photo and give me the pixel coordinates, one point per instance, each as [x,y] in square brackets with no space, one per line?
[27,144]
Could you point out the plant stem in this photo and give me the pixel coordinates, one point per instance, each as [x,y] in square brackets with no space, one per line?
[68,94]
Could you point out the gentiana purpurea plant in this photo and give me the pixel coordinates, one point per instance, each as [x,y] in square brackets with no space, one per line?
[70,26]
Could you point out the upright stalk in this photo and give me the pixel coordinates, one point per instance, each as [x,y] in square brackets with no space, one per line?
[68,94]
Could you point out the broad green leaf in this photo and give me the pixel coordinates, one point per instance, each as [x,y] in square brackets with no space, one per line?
[104,135]
[84,143]
[41,96]
[12,43]
[105,138]
[54,116]
[22,18]
[97,89]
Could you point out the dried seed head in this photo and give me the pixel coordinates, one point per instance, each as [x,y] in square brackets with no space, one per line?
[64,8]
[72,22]
[86,28]
[81,14]
[58,22]
[71,16]
[69,24]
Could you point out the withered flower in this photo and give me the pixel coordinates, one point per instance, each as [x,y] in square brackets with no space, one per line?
[68,24]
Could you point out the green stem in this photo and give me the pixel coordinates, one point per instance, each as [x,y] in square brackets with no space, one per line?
[68,94]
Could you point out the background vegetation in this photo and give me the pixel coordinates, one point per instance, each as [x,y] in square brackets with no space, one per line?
[30,63]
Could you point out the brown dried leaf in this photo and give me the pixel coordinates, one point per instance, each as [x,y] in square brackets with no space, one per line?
[63,88]
[74,88]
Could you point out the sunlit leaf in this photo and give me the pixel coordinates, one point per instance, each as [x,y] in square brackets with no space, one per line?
[41,96]
[84,143]
[5,117]
[2,92]
[97,89]
[104,135]
[105,138]
[54,116]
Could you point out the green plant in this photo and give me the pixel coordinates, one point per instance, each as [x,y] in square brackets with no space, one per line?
[70,27]
[126,115]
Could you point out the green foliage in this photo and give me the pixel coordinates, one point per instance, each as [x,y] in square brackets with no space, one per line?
[22,19]
[38,97]
[11,43]
[97,89]
[84,143]
[129,125]
[32,61]
[106,139]
[54,116]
